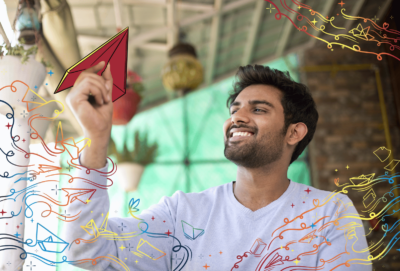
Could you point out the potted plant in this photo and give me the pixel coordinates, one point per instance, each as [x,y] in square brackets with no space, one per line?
[126,106]
[131,164]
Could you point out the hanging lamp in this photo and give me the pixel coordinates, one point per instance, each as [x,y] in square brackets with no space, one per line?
[183,71]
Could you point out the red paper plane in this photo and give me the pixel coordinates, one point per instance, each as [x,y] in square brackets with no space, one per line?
[115,51]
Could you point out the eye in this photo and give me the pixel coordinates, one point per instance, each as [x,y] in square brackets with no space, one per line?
[233,111]
[260,109]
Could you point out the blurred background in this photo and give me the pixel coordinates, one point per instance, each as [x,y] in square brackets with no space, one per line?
[182,58]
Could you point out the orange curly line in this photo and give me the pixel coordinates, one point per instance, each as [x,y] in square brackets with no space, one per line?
[316,204]
[112,258]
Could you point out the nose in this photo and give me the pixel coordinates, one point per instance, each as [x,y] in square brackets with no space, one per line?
[239,116]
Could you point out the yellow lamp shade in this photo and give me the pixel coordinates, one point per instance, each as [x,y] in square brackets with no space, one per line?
[182,71]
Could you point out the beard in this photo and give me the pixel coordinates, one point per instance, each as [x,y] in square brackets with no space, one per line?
[255,153]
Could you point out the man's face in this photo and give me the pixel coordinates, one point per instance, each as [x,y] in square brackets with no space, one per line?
[258,110]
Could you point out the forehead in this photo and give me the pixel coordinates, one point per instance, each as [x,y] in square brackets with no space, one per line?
[260,92]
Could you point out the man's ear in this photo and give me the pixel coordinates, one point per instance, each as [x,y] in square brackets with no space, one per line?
[297,132]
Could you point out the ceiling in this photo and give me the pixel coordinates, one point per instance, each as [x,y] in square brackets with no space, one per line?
[225,33]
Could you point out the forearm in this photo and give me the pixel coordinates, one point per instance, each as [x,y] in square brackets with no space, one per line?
[88,207]
[95,156]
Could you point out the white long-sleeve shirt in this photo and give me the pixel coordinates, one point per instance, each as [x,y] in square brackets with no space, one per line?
[304,229]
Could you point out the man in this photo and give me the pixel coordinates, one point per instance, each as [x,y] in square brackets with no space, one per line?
[261,221]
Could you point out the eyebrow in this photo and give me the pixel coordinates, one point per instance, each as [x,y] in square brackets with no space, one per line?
[254,102]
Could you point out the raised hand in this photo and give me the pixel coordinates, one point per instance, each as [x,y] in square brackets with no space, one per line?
[94,114]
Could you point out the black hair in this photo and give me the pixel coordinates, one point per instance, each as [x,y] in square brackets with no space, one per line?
[298,104]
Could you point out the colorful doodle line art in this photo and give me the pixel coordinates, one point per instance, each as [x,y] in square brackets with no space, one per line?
[366,31]
[376,208]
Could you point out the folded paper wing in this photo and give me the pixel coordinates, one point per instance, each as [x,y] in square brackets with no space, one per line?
[115,52]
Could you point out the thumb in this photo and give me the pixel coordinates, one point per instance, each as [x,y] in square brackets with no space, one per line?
[96,68]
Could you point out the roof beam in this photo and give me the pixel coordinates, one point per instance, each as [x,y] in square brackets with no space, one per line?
[383,9]
[251,39]
[329,5]
[356,9]
[144,37]
[212,51]
[172,36]
[185,6]
[98,40]
[285,35]
[119,22]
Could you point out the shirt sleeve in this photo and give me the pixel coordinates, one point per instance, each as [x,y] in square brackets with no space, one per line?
[345,245]
[97,242]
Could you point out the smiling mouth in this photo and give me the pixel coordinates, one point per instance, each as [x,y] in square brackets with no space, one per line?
[240,135]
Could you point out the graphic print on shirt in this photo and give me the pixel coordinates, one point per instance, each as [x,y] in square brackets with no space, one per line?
[191,232]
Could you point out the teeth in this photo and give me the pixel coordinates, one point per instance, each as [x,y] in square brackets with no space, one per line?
[241,134]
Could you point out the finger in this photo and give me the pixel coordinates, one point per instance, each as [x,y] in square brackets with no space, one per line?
[108,77]
[96,93]
[96,68]
[100,84]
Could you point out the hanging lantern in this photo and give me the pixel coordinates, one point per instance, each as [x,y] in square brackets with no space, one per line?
[183,70]
[27,21]
[126,106]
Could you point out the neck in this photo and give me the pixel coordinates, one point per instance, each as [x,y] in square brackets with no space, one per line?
[255,188]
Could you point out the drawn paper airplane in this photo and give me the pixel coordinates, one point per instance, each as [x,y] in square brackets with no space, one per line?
[48,241]
[191,232]
[308,237]
[113,51]
[78,194]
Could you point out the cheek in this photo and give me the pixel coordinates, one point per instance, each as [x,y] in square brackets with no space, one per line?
[226,125]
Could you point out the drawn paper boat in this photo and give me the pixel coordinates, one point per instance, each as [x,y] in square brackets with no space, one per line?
[191,232]
[362,179]
[48,241]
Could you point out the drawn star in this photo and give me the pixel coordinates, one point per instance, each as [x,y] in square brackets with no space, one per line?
[375,19]
[122,247]
[136,261]
[296,261]
[335,169]
[347,167]
[314,21]
[270,8]
[341,4]
[220,252]
[299,7]
[206,266]
[308,190]
[168,232]
[292,205]
[391,17]
[312,226]
[88,200]
[51,73]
